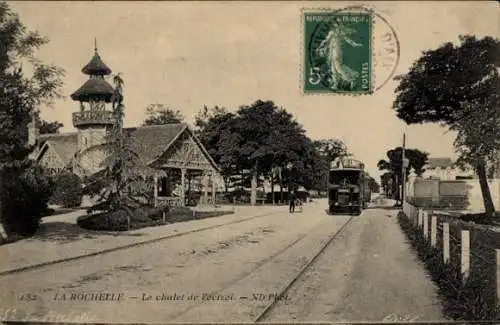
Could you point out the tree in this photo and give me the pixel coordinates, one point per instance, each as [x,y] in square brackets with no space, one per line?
[331,148]
[416,161]
[159,114]
[45,127]
[386,179]
[213,127]
[372,183]
[120,183]
[20,98]
[457,86]
[260,138]
[264,136]
[203,118]
[323,153]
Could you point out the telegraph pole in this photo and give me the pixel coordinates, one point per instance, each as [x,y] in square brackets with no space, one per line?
[403,170]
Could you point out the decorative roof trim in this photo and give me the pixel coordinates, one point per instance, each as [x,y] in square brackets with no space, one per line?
[200,145]
[168,145]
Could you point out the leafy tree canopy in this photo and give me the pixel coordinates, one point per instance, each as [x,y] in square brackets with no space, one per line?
[416,158]
[21,95]
[159,114]
[263,138]
[457,86]
[45,127]
[443,83]
[213,127]
[331,148]
[374,186]
[268,136]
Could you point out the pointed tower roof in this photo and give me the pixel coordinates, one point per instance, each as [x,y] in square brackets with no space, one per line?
[94,89]
[96,66]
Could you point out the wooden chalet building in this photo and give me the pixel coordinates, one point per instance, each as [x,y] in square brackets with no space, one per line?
[172,149]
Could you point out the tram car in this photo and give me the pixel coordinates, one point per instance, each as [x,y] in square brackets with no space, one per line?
[348,187]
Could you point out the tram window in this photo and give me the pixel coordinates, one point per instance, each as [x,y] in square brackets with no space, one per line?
[345,176]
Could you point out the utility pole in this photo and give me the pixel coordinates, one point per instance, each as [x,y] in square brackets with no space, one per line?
[403,170]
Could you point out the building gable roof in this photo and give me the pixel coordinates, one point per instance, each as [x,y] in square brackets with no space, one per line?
[48,147]
[149,142]
[441,162]
[65,145]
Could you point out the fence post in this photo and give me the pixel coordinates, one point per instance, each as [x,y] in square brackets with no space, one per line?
[446,242]
[497,256]
[163,217]
[155,189]
[434,231]
[420,217]
[465,256]
[426,225]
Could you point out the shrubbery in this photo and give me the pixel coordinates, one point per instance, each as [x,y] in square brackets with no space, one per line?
[145,216]
[473,299]
[68,191]
[24,201]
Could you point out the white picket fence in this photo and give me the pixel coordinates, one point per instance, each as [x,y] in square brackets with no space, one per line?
[420,218]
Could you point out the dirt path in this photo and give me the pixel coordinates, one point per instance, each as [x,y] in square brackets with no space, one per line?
[370,273]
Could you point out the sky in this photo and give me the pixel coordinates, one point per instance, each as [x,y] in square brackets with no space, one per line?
[189,54]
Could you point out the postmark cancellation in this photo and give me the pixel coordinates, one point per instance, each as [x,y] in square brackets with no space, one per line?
[343,53]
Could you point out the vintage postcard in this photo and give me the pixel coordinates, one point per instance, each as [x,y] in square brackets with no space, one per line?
[173,162]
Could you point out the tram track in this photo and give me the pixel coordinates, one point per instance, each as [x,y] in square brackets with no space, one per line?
[128,246]
[259,265]
[251,279]
[272,304]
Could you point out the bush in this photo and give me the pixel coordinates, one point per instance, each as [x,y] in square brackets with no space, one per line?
[68,191]
[24,201]
[144,216]
[473,299]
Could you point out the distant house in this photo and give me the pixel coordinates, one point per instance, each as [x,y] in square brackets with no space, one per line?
[444,168]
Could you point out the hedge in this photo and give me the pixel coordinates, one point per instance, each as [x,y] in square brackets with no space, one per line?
[145,216]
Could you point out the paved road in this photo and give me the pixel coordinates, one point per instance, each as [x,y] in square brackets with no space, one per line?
[228,273]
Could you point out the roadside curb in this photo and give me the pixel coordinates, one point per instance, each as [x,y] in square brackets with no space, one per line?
[114,249]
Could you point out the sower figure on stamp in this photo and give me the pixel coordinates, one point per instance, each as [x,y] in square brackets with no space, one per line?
[331,47]
[292,199]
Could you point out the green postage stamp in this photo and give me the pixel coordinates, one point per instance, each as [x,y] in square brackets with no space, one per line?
[338,52]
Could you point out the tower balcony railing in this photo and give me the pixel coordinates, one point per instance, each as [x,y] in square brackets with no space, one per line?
[93,117]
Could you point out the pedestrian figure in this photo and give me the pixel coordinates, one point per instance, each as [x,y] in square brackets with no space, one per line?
[292,201]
